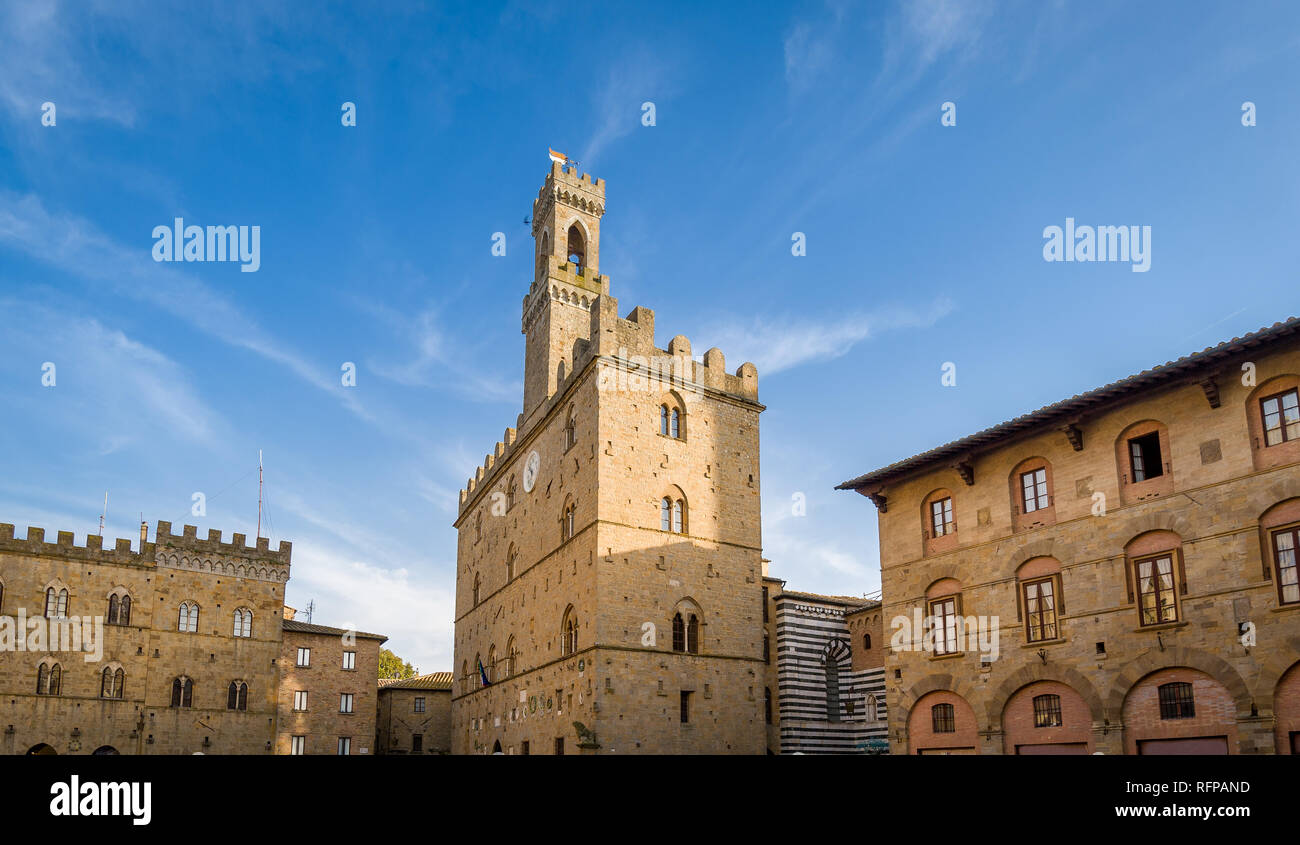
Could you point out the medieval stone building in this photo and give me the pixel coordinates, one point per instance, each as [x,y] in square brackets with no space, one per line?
[1113,573]
[608,594]
[172,648]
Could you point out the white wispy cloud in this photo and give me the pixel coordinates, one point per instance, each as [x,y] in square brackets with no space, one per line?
[433,361]
[637,76]
[40,63]
[115,391]
[78,247]
[777,345]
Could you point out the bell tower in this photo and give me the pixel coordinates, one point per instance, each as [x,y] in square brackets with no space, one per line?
[566,278]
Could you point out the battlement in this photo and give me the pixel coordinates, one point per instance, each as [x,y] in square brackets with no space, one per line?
[237,558]
[629,345]
[188,539]
[564,284]
[93,551]
[629,342]
[568,177]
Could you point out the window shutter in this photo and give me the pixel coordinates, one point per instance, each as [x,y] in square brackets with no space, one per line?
[1020,591]
[1060,595]
[1128,576]
[1182,573]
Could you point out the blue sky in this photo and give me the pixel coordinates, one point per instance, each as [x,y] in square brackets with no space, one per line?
[924,244]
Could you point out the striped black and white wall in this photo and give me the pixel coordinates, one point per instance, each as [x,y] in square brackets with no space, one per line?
[826,707]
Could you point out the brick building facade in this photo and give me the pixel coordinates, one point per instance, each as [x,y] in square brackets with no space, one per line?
[1133,549]
[415,715]
[187,642]
[329,688]
[608,583]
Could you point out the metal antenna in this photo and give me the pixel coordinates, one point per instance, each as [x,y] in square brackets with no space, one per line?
[103,514]
[259,494]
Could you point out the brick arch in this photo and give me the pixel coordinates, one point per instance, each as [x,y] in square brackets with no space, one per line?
[1153,660]
[1034,673]
[1045,547]
[1277,664]
[933,683]
[1156,522]
[935,574]
[1279,491]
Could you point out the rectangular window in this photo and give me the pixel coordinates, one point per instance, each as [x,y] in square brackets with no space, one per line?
[1281,418]
[1040,610]
[298,745]
[417,743]
[943,718]
[1285,544]
[1156,600]
[1047,711]
[349,660]
[765,597]
[345,745]
[686,707]
[300,700]
[941,517]
[419,705]
[1144,453]
[345,702]
[1033,485]
[1176,701]
[304,657]
[943,616]
[559,745]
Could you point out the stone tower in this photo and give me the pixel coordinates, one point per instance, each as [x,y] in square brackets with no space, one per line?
[566,278]
[609,558]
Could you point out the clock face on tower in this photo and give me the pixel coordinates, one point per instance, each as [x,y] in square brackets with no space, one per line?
[531,465]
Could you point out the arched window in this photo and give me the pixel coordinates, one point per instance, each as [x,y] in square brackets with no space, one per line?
[56,603]
[113,609]
[832,688]
[693,634]
[577,249]
[510,667]
[477,584]
[866,642]
[570,432]
[568,520]
[569,633]
[679,633]
[243,622]
[49,679]
[663,420]
[237,696]
[511,489]
[187,620]
[1280,526]
[679,511]
[675,423]
[464,677]
[872,709]
[944,718]
[111,683]
[665,514]
[491,666]
[1040,591]
[510,563]
[182,692]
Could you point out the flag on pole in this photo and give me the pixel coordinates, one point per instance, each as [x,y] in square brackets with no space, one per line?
[483,673]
